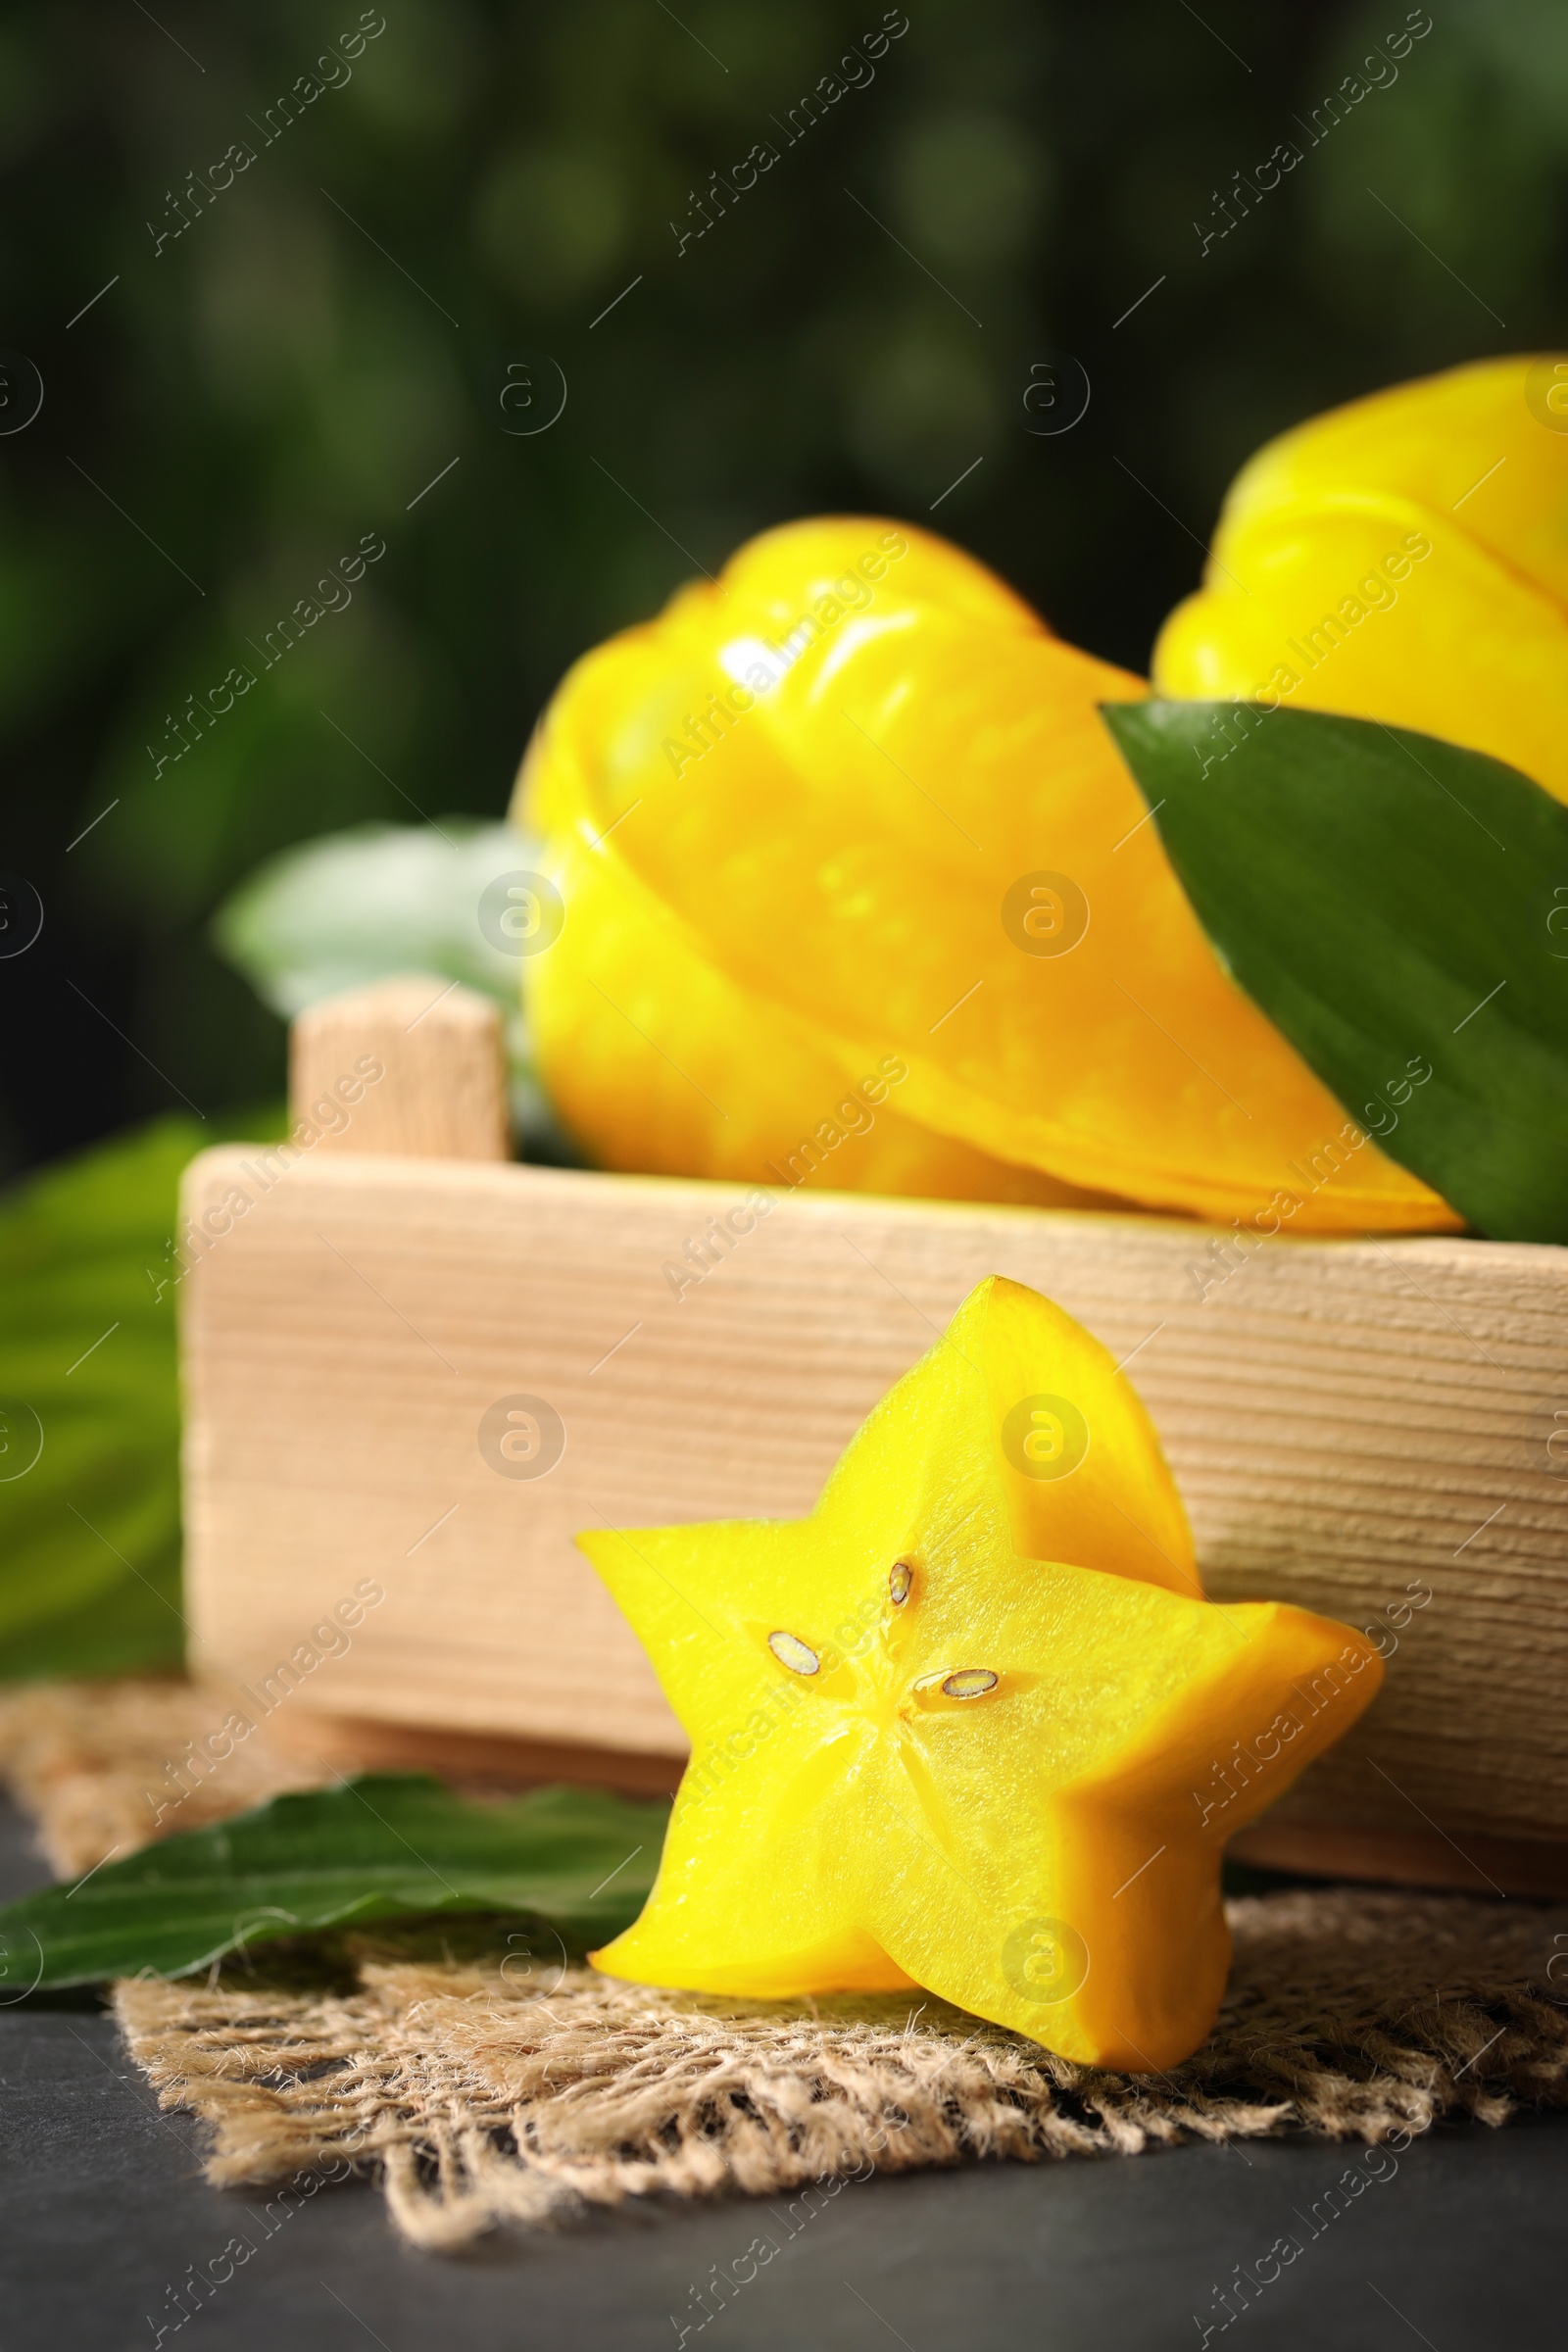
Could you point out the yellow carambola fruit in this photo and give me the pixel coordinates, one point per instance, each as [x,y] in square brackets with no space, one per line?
[1405,559]
[852,810]
[972,1726]
[659,1063]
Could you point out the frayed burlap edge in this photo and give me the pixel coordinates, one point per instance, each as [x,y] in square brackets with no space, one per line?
[106,1767]
[481,2092]
[1351,2015]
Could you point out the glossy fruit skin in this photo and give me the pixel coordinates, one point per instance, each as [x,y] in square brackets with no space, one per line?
[972,1726]
[1404,559]
[854,806]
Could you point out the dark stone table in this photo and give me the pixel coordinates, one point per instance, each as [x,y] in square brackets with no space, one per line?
[1459,2246]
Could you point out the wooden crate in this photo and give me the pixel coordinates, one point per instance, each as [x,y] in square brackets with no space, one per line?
[1353,1425]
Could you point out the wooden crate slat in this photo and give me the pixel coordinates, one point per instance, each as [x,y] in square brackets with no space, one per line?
[1342,1416]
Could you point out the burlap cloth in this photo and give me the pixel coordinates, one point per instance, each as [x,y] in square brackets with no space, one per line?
[486,2085]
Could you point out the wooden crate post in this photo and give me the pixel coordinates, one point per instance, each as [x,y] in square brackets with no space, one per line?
[442,1091]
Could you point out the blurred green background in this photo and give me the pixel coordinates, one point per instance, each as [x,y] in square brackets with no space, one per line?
[271,384]
[298,366]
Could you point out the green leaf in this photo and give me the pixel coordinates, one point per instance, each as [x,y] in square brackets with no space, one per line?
[376,900]
[385,1845]
[1393,904]
[89,1404]
[359,904]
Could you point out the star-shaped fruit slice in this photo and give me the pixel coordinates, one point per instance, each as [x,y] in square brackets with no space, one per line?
[972,1726]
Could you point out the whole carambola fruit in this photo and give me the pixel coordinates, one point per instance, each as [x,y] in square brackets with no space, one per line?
[850,818]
